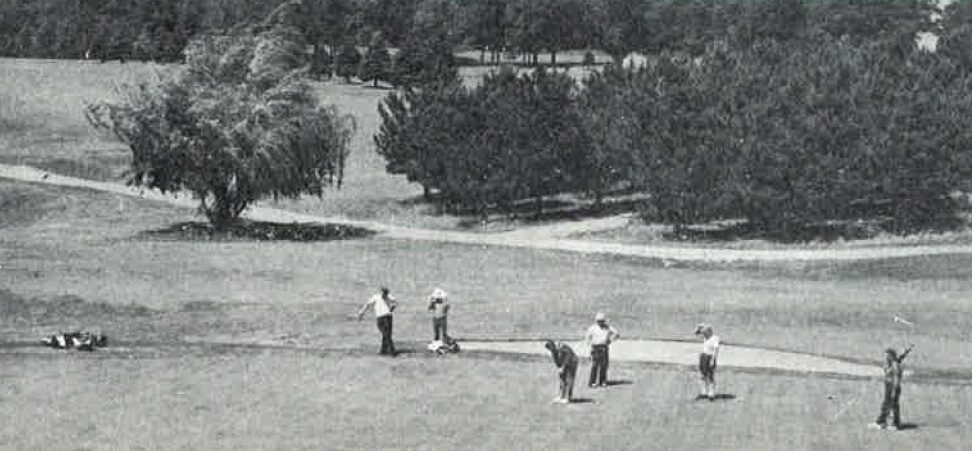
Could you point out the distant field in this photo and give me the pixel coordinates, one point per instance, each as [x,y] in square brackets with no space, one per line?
[43,125]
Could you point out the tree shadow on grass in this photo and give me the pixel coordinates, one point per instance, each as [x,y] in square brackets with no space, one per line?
[258,231]
[825,231]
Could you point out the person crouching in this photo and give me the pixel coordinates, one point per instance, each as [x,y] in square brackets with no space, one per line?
[707,360]
[566,361]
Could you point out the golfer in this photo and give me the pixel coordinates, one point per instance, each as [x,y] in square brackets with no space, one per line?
[599,337]
[383,304]
[707,360]
[566,361]
[892,388]
[439,307]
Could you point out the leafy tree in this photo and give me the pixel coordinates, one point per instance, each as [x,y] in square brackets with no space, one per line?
[347,60]
[231,127]
[620,26]
[426,58]
[485,26]
[376,64]
[786,135]
[511,139]
[322,63]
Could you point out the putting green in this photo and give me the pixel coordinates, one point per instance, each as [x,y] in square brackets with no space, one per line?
[687,353]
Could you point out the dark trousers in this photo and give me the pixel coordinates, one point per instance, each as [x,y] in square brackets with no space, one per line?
[385,327]
[707,368]
[567,377]
[892,394]
[599,365]
[439,328]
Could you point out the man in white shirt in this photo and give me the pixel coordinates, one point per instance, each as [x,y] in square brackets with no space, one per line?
[599,337]
[707,360]
[383,304]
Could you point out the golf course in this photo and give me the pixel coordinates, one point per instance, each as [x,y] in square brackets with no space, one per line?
[238,343]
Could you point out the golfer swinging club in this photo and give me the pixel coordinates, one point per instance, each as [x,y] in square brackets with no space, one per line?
[707,360]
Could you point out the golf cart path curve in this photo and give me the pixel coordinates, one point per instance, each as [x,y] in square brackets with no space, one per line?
[687,353]
[548,238]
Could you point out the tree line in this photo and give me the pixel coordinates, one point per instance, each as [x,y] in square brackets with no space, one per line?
[160,29]
[798,126]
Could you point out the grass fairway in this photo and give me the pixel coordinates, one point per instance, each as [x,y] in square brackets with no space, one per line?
[252,399]
[78,259]
[61,241]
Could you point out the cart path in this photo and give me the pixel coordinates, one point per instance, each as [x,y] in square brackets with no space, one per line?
[541,237]
[686,353]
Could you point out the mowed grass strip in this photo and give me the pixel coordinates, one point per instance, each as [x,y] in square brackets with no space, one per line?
[91,245]
[281,400]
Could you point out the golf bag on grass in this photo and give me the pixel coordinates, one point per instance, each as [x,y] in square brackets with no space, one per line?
[82,341]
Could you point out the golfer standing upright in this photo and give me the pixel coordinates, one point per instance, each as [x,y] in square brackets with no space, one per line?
[599,337]
[439,307]
[383,304]
[707,360]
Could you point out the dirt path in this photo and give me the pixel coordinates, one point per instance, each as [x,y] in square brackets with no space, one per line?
[683,353]
[541,237]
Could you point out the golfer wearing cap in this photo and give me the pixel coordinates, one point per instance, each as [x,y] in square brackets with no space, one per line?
[707,360]
[599,337]
[439,306]
[892,388]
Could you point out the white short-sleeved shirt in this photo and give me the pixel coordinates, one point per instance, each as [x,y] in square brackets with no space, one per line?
[711,346]
[381,307]
[597,335]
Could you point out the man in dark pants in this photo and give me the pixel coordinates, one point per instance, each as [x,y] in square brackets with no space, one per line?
[383,304]
[892,389]
[599,337]
[566,362]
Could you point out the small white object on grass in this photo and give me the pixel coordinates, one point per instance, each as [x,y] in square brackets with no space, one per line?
[900,319]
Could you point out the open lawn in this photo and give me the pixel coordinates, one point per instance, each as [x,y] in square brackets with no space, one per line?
[72,258]
[253,399]
[90,245]
[79,259]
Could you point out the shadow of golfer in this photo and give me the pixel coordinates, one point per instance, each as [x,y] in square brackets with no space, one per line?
[581,401]
[619,382]
[907,426]
[717,397]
